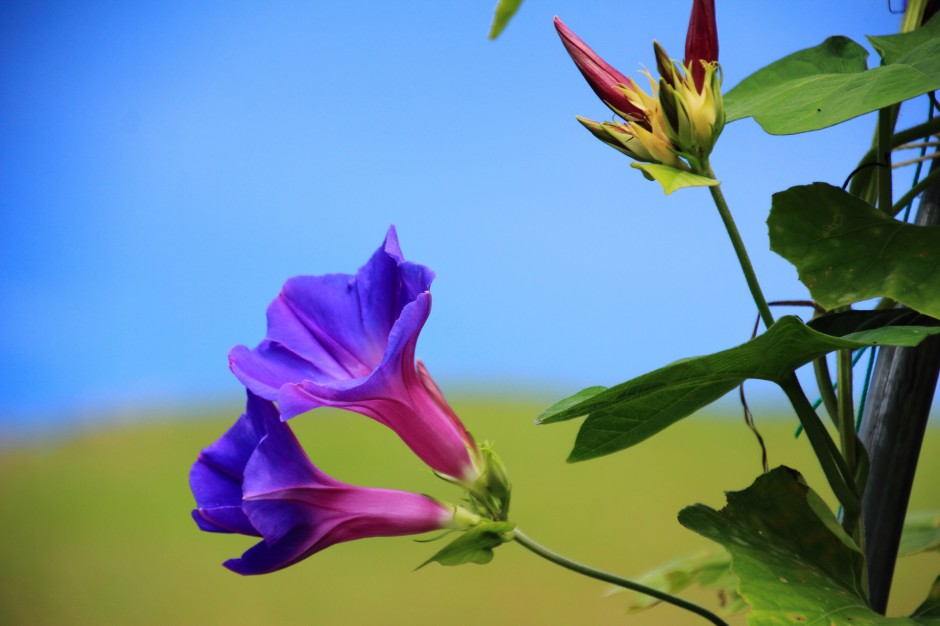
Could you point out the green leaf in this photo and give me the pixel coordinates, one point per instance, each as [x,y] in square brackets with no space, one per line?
[904,336]
[474,546]
[671,178]
[829,84]
[794,562]
[921,534]
[709,570]
[895,48]
[631,412]
[847,250]
[505,9]
[848,322]
[562,406]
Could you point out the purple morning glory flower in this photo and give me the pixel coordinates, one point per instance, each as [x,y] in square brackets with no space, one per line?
[348,341]
[256,480]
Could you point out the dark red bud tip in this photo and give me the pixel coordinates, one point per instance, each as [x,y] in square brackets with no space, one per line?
[602,78]
[701,41]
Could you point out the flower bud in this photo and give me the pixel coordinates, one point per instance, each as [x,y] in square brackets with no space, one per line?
[607,133]
[694,116]
[678,122]
[664,65]
[489,495]
[608,83]
[701,41]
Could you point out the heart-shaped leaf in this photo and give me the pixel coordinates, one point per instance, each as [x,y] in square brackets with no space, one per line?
[847,251]
[794,562]
[830,83]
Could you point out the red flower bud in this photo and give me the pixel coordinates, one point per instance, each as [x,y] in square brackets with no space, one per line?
[701,41]
[608,83]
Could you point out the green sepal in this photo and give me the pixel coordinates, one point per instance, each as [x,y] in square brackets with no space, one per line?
[474,546]
[490,495]
[665,65]
[671,178]
[604,133]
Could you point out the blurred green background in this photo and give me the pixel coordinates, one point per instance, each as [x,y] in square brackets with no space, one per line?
[96,526]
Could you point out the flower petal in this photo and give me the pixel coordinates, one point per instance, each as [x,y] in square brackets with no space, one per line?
[335,330]
[216,476]
[265,557]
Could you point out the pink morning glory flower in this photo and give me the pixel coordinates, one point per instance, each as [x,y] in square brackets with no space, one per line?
[348,341]
[256,480]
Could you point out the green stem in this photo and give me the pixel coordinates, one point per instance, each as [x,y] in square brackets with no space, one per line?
[850,443]
[913,15]
[864,175]
[908,197]
[585,570]
[826,393]
[833,465]
[930,127]
[740,250]
[885,129]
[846,419]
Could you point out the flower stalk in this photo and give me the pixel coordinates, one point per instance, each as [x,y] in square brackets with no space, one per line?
[585,570]
[841,478]
[743,259]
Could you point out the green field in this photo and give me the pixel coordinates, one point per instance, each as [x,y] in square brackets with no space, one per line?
[96,527]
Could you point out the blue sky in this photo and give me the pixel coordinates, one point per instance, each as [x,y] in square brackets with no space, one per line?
[166,166]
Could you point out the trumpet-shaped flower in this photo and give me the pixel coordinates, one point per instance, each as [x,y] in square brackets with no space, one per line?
[348,341]
[256,480]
